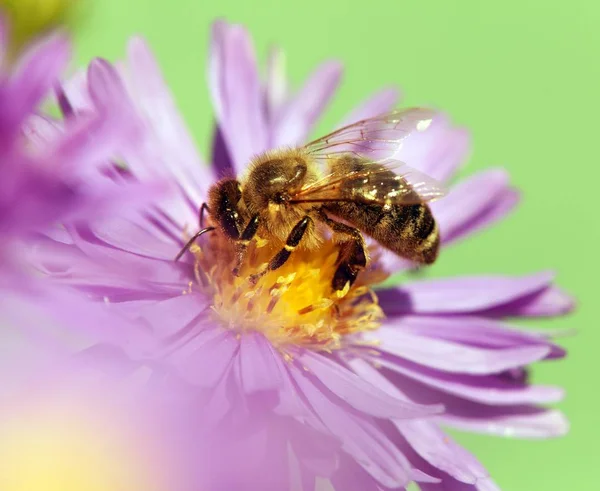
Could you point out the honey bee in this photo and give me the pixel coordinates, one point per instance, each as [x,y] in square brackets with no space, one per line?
[347,181]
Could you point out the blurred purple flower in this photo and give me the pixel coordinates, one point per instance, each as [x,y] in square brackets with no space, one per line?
[45,163]
[71,420]
[50,179]
[364,412]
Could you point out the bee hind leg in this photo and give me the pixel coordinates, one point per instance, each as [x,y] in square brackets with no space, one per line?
[292,241]
[352,257]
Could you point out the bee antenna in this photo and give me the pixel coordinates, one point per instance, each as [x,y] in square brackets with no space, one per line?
[192,240]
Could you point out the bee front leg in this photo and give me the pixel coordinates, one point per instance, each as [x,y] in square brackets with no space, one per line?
[241,245]
[352,257]
[292,241]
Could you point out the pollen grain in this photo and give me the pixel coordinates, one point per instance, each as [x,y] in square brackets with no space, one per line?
[294,305]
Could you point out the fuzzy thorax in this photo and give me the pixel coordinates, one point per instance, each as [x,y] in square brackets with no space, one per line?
[294,305]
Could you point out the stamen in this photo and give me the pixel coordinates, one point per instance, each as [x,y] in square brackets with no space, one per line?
[272,304]
[294,305]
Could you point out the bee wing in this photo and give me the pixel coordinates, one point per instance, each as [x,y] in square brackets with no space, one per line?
[377,139]
[374,184]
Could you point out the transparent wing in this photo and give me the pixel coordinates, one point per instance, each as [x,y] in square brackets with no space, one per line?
[373,183]
[377,139]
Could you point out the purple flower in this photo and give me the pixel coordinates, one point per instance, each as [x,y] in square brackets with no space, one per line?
[68,421]
[45,164]
[356,387]
[49,175]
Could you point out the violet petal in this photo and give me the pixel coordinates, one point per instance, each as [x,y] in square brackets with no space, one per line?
[301,112]
[237,93]
[469,294]
[380,102]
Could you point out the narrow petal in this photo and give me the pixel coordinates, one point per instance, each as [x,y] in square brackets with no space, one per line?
[148,158]
[65,106]
[105,86]
[388,261]
[258,368]
[351,477]
[260,455]
[276,90]
[168,318]
[34,77]
[453,357]
[275,462]
[475,203]
[360,437]
[304,109]
[318,454]
[549,302]
[520,421]
[221,162]
[110,270]
[528,424]
[473,331]
[154,99]
[40,129]
[360,395]
[101,326]
[134,238]
[505,203]
[207,356]
[219,403]
[379,103]
[441,451]
[89,143]
[449,484]
[94,138]
[76,91]
[469,468]
[425,437]
[439,151]
[237,93]
[490,389]
[291,400]
[471,294]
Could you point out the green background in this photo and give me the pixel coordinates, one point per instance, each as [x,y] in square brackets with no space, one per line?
[523,75]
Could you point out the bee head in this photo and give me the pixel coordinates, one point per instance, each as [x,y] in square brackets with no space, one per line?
[273,181]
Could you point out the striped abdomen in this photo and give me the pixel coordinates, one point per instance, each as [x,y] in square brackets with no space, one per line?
[407,230]
[367,191]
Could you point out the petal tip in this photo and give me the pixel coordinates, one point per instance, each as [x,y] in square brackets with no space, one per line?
[498,173]
[104,83]
[137,43]
[558,424]
[563,302]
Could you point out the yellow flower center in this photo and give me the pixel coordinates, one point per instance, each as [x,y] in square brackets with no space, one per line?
[293,305]
[64,447]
